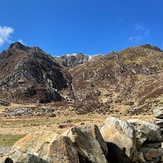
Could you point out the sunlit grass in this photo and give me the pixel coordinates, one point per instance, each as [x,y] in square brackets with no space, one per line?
[9,140]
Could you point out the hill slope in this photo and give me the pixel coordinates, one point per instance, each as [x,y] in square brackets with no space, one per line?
[131,78]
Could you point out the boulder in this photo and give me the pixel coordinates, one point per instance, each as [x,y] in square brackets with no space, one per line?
[122,134]
[149,153]
[152,144]
[145,131]
[44,147]
[94,131]
[158,112]
[88,147]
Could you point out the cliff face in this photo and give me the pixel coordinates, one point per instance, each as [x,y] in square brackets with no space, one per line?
[28,74]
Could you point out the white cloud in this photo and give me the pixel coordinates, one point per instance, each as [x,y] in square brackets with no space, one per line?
[5,33]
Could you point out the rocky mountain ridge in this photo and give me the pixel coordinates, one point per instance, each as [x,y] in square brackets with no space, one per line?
[126,82]
[75,59]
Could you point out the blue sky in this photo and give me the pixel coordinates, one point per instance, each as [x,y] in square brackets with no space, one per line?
[88,26]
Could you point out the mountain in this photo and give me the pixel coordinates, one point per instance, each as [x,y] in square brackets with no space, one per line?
[27,74]
[72,60]
[125,82]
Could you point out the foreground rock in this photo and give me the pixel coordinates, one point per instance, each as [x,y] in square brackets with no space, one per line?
[132,141]
[93,130]
[44,147]
[122,134]
[88,147]
[158,113]
[145,132]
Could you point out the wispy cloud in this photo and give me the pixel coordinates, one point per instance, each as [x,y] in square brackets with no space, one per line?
[140,33]
[139,27]
[135,38]
[5,34]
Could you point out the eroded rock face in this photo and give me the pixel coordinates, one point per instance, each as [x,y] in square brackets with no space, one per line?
[44,147]
[122,134]
[88,147]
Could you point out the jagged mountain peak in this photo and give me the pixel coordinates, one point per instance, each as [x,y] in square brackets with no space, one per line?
[18,45]
[75,59]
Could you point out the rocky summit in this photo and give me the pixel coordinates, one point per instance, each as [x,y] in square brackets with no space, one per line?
[27,74]
[125,82]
